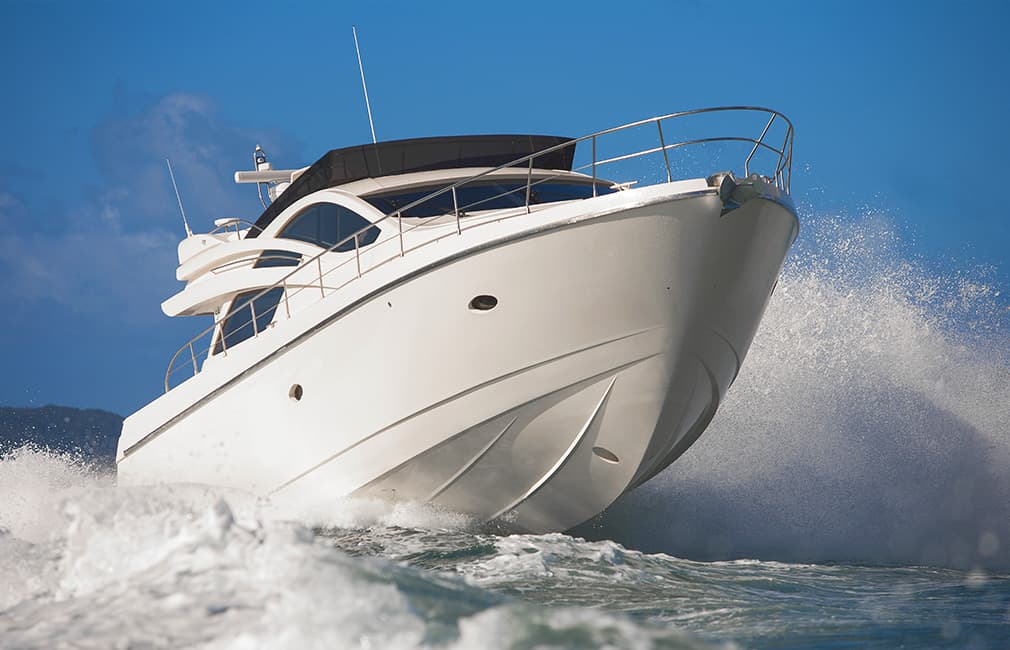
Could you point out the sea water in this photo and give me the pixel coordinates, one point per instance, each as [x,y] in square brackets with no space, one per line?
[853,491]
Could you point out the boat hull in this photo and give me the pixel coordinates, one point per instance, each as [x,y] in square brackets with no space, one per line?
[612,342]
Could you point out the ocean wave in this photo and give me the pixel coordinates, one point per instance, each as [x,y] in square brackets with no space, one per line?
[195,566]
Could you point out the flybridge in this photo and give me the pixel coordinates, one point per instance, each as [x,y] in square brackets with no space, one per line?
[341,166]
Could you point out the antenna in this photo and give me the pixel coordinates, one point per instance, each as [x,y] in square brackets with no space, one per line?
[363,86]
[189,233]
[260,163]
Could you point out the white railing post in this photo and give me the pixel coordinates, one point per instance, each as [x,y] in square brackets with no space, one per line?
[221,337]
[399,218]
[319,266]
[787,141]
[760,140]
[192,353]
[287,307]
[252,310]
[529,178]
[357,254]
[594,166]
[666,156]
[455,209]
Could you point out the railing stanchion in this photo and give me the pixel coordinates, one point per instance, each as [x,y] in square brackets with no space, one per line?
[666,156]
[357,255]
[786,141]
[529,177]
[455,209]
[760,141]
[594,166]
[319,266]
[192,353]
[788,164]
[399,218]
[287,307]
[252,310]
[221,338]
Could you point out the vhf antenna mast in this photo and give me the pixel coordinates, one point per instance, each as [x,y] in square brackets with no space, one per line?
[189,233]
[363,86]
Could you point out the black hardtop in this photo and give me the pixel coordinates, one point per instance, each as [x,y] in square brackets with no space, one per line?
[341,166]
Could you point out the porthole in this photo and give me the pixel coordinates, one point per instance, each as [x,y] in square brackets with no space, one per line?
[295,393]
[605,454]
[483,302]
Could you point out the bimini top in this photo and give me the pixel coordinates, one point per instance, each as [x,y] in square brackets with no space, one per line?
[416,155]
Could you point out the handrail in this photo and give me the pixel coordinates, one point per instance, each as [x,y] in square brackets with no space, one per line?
[781,176]
[234,223]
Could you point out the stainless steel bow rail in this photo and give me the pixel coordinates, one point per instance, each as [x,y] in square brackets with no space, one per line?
[779,172]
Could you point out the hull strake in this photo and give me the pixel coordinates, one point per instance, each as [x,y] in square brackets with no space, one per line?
[413,396]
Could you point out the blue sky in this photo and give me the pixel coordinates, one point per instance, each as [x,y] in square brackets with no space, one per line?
[899,107]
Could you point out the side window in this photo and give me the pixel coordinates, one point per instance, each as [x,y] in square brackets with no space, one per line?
[325,224]
[239,326]
[272,258]
[484,196]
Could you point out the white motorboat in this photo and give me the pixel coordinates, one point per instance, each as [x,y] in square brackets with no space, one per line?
[483,323]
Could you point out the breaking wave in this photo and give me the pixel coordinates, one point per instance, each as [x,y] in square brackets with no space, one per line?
[84,564]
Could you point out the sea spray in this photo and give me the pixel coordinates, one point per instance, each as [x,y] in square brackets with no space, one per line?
[870,422]
[33,480]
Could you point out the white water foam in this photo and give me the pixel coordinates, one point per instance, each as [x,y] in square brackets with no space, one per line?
[87,565]
[870,422]
[353,512]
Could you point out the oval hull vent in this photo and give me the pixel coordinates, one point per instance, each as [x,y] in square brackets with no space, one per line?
[605,454]
[483,302]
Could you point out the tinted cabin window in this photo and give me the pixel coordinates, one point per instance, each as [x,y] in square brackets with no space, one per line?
[483,196]
[271,258]
[325,224]
[239,326]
